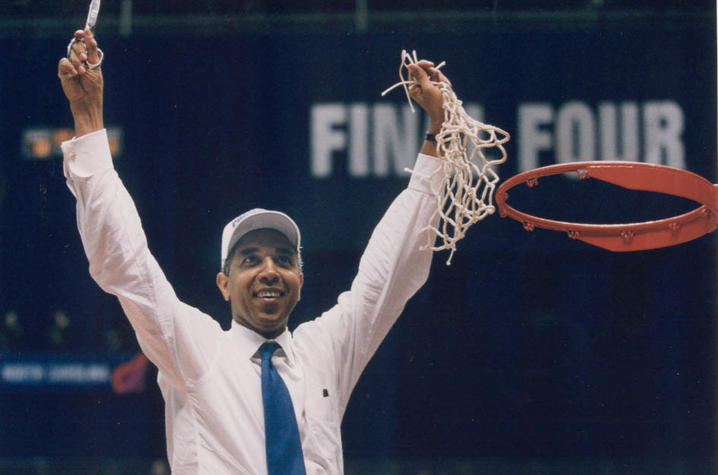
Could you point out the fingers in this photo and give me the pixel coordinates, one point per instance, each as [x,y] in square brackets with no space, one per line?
[425,63]
[65,69]
[429,71]
[78,55]
[425,78]
[84,50]
[426,90]
[91,43]
[420,75]
[434,74]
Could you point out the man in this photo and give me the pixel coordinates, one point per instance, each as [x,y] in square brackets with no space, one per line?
[224,391]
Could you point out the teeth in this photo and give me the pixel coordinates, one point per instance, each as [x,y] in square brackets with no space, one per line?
[269,293]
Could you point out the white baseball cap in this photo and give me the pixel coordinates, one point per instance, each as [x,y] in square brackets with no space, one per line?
[254,219]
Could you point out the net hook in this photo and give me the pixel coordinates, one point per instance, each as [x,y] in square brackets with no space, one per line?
[674,227]
[627,235]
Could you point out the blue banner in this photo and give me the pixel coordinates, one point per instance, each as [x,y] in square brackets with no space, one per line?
[118,373]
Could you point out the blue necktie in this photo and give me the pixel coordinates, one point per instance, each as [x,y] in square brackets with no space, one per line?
[284,449]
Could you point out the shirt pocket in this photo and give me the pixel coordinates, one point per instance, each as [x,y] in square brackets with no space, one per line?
[323,421]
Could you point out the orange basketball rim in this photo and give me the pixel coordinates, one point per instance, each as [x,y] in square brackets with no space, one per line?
[634,176]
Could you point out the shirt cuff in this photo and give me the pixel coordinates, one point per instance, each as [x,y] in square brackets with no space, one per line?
[86,155]
[426,175]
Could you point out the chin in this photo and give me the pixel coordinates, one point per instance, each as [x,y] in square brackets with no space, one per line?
[273,324]
[270,333]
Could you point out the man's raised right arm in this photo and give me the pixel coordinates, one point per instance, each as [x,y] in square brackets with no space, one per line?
[174,336]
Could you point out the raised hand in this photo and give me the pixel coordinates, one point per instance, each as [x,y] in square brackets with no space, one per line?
[82,82]
[426,91]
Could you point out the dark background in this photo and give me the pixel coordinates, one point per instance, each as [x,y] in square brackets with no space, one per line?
[530,346]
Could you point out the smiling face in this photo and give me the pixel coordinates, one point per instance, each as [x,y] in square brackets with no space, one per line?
[264,282]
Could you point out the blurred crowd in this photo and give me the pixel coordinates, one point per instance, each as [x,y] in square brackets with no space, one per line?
[56,334]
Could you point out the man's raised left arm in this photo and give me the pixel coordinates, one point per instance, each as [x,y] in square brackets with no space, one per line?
[396,261]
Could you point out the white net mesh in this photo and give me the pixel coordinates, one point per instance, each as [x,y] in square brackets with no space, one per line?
[469,149]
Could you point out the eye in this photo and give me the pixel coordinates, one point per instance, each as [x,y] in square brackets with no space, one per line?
[283,260]
[250,260]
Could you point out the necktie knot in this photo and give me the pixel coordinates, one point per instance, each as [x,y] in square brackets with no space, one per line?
[267,350]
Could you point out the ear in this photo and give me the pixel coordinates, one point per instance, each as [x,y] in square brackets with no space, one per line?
[301,283]
[223,284]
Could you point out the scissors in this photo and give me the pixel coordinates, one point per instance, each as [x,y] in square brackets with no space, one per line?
[90,23]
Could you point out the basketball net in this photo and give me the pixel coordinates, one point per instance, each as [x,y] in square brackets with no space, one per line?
[469,149]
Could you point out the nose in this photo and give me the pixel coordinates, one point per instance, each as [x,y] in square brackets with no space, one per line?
[268,274]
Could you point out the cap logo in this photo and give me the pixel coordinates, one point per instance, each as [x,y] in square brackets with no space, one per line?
[244,215]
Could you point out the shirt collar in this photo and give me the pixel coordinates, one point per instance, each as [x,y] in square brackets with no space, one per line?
[249,342]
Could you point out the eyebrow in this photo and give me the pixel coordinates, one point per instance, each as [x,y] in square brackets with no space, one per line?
[282,250]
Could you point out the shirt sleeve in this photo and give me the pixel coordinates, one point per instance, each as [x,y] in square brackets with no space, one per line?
[174,336]
[393,267]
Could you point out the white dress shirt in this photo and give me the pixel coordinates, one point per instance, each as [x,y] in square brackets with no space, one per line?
[210,378]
